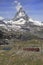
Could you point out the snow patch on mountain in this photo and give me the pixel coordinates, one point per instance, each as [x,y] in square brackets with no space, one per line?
[20,22]
[35,22]
[1,18]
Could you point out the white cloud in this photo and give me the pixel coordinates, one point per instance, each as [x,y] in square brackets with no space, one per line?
[16,1]
[18,5]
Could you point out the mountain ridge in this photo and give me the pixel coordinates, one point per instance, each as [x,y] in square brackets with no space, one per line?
[22,23]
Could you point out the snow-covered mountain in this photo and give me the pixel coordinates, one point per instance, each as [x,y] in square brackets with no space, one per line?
[23,22]
[38,23]
[21,17]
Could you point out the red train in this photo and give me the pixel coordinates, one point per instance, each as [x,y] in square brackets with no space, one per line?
[31,49]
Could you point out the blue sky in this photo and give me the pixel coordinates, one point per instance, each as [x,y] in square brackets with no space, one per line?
[34,8]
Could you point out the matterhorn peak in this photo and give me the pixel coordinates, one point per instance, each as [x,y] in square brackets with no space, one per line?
[20,15]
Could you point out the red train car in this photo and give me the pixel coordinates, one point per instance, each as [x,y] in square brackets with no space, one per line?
[31,49]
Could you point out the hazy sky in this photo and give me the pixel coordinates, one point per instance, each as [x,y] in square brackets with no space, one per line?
[34,8]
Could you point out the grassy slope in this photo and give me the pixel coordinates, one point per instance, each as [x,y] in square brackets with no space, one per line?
[16,56]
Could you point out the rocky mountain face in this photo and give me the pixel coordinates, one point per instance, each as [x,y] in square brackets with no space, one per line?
[21,26]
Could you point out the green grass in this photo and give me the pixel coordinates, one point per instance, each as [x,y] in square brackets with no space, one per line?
[11,57]
[18,60]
